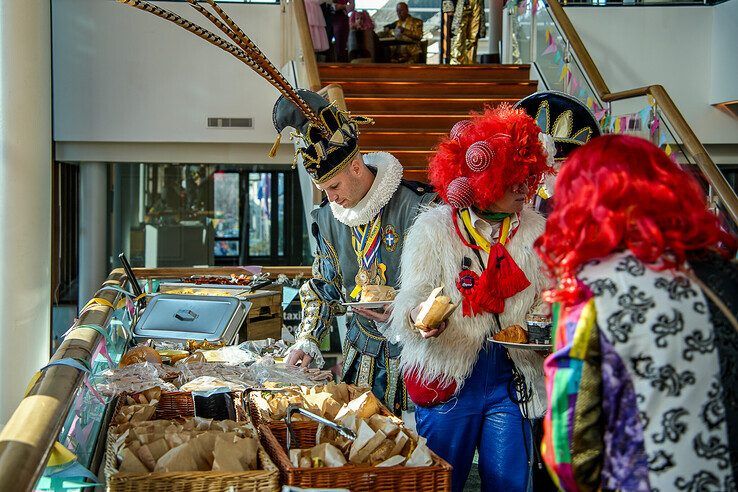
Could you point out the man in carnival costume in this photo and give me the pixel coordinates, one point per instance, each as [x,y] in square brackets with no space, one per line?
[471,394]
[359,229]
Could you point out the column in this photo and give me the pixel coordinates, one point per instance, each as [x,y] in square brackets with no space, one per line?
[93,229]
[25,195]
[494,28]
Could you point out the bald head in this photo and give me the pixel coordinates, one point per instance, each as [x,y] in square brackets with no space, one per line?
[403,12]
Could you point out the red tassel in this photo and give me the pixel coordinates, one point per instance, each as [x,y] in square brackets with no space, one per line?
[504,273]
[502,279]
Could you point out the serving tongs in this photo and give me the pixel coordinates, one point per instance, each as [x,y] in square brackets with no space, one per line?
[137,292]
[259,281]
[343,431]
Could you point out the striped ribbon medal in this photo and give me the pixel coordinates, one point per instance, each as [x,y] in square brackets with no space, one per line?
[366,242]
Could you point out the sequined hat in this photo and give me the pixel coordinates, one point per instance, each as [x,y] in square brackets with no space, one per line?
[564,117]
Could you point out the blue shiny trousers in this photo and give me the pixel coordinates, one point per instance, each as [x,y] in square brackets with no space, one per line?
[482,417]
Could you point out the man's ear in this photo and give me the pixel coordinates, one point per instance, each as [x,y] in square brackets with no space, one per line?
[356,166]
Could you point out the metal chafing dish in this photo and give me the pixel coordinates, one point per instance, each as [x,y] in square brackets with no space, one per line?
[192,317]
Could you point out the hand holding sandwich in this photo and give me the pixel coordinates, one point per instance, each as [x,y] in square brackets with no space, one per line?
[431,315]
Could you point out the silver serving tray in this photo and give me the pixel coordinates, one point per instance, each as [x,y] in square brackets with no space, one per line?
[183,317]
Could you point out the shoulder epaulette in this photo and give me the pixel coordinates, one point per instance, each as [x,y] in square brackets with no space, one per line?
[417,187]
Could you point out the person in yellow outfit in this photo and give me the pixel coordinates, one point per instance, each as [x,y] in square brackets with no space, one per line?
[408,31]
[468,27]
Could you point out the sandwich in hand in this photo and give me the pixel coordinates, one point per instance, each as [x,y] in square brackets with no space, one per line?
[435,310]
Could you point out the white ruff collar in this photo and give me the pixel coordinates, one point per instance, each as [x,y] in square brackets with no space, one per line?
[386,182]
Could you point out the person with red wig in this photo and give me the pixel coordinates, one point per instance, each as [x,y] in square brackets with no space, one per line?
[642,384]
[471,394]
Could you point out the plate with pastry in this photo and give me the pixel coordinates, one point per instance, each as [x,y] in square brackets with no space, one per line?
[516,337]
[374,296]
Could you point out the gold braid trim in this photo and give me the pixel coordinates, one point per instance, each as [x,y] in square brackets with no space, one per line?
[340,167]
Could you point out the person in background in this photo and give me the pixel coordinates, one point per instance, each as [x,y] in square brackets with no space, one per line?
[407,30]
[468,26]
[340,20]
[327,8]
[318,32]
[641,387]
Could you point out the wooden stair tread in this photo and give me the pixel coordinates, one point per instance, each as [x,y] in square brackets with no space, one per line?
[404,97]
[426,66]
[452,89]
[400,104]
[415,106]
[423,72]
[433,83]
[400,79]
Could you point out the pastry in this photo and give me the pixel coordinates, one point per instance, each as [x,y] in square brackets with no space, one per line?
[377,293]
[435,310]
[193,345]
[172,356]
[138,354]
[512,334]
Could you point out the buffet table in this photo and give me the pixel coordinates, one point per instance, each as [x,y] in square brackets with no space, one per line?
[130,403]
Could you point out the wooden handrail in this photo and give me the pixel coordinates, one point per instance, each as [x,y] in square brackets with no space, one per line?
[334,93]
[664,102]
[27,438]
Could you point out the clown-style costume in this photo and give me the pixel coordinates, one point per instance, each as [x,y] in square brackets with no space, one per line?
[472,394]
[642,383]
[488,407]
[356,246]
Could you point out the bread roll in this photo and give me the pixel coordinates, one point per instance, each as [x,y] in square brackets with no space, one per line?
[512,334]
[138,354]
[435,310]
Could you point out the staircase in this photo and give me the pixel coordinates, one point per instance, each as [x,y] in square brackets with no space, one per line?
[413,106]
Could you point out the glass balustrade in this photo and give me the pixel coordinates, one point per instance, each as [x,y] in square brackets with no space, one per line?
[535,38]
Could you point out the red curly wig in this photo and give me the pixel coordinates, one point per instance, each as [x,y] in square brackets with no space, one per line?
[621,192]
[516,155]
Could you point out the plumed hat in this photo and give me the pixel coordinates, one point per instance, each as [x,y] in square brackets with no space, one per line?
[329,145]
[329,134]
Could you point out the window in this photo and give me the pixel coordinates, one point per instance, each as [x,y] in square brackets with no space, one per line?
[226,214]
[176,215]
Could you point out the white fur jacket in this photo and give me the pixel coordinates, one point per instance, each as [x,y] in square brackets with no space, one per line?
[432,256]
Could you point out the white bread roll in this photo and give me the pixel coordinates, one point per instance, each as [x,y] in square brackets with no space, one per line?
[435,310]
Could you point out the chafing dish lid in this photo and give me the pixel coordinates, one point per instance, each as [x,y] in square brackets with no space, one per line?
[187,317]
